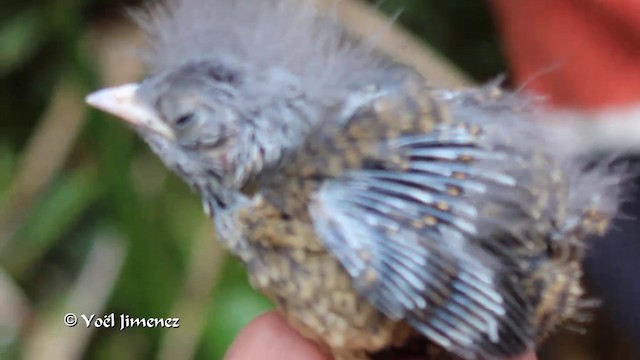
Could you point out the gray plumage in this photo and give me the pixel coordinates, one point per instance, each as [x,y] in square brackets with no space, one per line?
[269,38]
[453,214]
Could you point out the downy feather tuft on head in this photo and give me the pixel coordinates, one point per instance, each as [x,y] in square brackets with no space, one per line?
[280,35]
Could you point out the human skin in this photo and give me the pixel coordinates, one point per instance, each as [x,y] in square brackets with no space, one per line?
[269,337]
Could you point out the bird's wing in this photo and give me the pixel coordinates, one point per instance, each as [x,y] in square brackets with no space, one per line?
[429,224]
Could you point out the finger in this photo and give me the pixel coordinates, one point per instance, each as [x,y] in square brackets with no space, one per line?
[269,337]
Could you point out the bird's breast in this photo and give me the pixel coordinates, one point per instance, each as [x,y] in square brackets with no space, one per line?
[309,285]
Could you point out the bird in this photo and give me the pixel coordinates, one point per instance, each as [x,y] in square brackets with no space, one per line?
[376,210]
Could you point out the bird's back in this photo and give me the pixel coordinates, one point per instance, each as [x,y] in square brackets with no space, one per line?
[445,207]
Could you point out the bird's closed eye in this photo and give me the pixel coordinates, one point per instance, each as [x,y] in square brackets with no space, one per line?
[184,120]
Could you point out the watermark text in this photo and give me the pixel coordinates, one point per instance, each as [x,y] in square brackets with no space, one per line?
[119,321]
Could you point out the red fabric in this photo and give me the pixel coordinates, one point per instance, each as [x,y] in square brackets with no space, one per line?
[591,49]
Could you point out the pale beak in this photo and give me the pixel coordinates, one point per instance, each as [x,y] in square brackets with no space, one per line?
[122,102]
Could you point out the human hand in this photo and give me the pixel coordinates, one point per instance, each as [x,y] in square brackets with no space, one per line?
[269,337]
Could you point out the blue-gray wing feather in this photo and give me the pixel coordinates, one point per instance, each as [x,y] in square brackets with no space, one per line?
[411,237]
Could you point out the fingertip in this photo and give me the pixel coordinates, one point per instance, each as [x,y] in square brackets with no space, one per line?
[269,337]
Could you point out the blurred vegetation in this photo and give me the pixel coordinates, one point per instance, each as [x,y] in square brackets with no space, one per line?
[90,222]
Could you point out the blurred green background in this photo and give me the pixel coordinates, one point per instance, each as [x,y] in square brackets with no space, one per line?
[90,221]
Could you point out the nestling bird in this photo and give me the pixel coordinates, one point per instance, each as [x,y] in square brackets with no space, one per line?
[373,208]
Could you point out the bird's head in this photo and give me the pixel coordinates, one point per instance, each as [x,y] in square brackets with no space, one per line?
[212,122]
[236,85]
